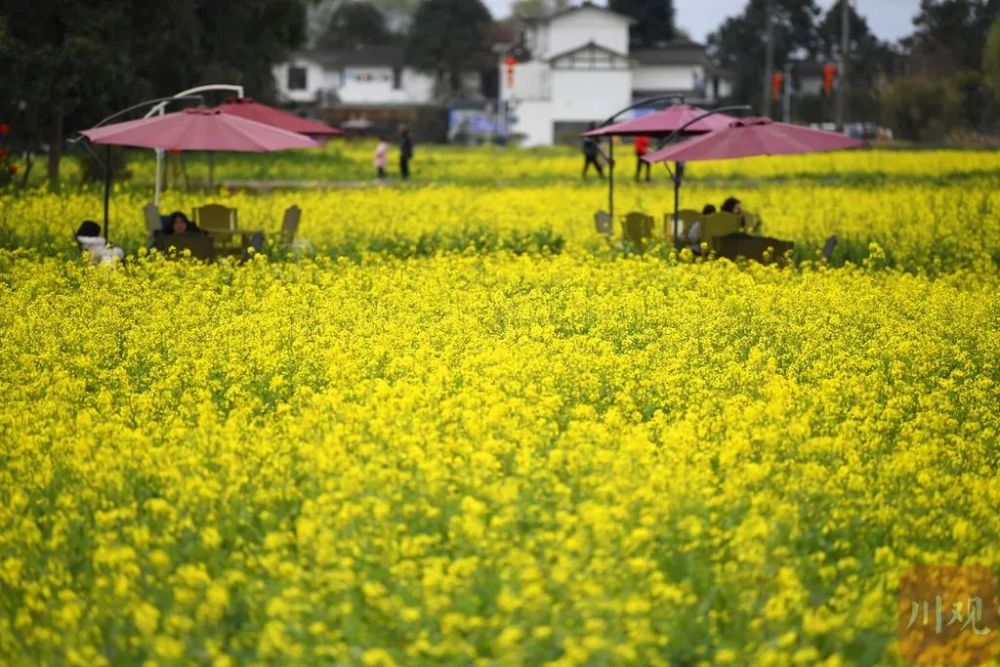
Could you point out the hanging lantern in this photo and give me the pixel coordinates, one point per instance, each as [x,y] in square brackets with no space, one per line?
[829,74]
[777,85]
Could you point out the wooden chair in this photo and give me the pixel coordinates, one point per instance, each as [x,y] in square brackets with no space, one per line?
[219,221]
[716,225]
[637,227]
[215,217]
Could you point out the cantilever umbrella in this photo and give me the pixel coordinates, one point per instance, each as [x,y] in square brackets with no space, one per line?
[750,137]
[666,122]
[681,119]
[246,107]
[197,129]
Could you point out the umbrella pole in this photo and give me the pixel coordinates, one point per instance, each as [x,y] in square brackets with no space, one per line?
[107,186]
[611,178]
[677,195]
[159,175]
[211,170]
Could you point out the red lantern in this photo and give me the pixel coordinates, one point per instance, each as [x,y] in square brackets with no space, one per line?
[829,74]
[4,129]
[509,63]
[777,84]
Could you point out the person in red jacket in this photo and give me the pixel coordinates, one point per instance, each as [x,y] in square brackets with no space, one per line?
[641,144]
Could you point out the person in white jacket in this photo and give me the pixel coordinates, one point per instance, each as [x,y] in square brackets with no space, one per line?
[90,242]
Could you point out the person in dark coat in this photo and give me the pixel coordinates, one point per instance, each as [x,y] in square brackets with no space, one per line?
[405,152]
[178,223]
[590,152]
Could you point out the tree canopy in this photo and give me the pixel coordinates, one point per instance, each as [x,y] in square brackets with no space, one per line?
[654,20]
[356,24]
[447,38]
[739,43]
[68,64]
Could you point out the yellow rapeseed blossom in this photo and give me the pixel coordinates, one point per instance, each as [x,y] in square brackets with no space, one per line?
[488,454]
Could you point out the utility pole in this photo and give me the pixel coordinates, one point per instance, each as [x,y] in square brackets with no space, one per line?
[768,56]
[845,41]
[787,112]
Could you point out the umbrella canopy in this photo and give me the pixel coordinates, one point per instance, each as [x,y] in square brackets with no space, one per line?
[246,107]
[666,122]
[753,136]
[199,130]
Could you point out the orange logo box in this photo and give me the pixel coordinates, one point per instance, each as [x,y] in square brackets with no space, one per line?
[948,615]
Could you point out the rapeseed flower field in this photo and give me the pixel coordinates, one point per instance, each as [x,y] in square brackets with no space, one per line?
[466,430]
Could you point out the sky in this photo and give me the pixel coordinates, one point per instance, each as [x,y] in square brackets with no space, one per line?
[889,19]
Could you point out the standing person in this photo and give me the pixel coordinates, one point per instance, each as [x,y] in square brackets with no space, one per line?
[381,157]
[641,148]
[590,153]
[405,152]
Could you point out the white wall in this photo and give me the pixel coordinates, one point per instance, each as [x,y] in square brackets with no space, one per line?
[418,86]
[574,95]
[374,85]
[667,77]
[531,81]
[317,79]
[534,122]
[575,29]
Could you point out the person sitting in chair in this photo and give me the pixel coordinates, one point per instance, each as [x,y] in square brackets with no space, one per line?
[89,240]
[178,223]
[694,231]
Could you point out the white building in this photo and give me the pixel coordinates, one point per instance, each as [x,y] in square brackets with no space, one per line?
[369,77]
[579,69]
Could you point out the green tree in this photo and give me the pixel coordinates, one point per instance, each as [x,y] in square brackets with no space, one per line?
[870,61]
[69,63]
[949,35]
[991,60]
[537,8]
[447,39]
[354,25]
[739,43]
[921,108]
[654,20]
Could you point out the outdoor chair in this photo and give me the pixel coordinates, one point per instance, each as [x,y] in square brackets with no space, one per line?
[603,224]
[220,222]
[829,247]
[290,225]
[288,234]
[215,217]
[637,227]
[154,225]
[716,225]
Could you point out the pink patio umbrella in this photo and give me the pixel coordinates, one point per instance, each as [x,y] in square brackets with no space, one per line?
[753,136]
[666,122]
[246,107]
[750,137]
[197,129]
[682,120]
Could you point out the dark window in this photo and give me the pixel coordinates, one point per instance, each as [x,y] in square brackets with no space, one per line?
[296,78]
[397,78]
